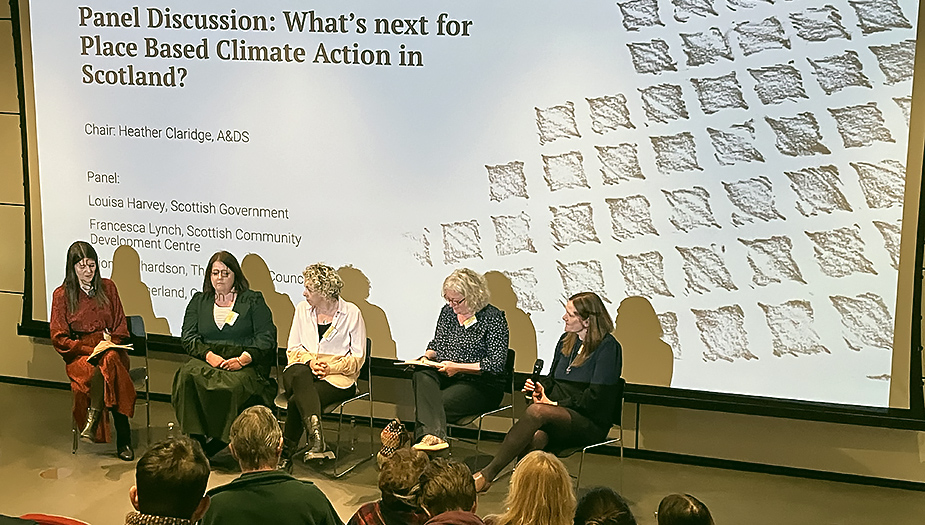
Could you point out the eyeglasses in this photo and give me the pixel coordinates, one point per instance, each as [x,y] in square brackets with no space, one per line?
[224,273]
[454,302]
[86,266]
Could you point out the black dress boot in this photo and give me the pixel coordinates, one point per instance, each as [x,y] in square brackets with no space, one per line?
[93,419]
[316,433]
[285,459]
[123,436]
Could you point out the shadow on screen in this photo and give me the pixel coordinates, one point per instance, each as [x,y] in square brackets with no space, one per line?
[647,360]
[523,333]
[356,290]
[135,295]
[258,276]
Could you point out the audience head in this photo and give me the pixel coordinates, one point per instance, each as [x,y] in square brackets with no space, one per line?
[540,493]
[171,479]
[400,476]
[468,287]
[603,506]
[447,485]
[240,282]
[256,440]
[683,509]
[323,280]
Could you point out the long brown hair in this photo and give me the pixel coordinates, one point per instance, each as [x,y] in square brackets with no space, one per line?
[79,251]
[590,308]
[240,282]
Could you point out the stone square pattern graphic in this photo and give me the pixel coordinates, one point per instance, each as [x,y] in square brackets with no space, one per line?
[751,145]
[512,234]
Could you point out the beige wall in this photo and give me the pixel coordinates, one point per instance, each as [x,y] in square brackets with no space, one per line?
[830,447]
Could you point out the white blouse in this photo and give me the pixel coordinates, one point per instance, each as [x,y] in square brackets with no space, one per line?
[343,346]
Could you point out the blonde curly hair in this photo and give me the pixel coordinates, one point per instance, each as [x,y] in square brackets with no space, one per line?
[471,285]
[321,278]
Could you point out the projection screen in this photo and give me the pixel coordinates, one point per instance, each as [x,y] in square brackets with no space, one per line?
[739,165]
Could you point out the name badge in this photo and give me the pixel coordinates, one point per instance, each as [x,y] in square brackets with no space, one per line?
[469,322]
[329,333]
[231,318]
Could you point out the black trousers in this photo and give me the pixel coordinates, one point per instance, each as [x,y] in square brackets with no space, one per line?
[307,396]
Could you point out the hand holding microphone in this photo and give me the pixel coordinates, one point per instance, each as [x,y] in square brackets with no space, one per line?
[531,383]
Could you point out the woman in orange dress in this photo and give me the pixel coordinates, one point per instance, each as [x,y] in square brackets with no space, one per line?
[86,314]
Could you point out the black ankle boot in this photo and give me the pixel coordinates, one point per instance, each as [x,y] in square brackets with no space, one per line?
[123,436]
[88,434]
[316,433]
[285,458]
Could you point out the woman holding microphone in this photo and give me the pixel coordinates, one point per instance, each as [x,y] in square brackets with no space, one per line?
[574,404]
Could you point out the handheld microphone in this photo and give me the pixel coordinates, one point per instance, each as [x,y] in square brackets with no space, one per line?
[535,376]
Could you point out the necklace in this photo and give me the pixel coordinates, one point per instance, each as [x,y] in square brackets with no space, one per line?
[572,359]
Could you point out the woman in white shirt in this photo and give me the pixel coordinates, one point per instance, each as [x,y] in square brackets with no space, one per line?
[327,348]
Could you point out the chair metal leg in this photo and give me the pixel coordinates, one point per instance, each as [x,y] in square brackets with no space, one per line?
[478,437]
[147,410]
[621,465]
[75,435]
[340,427]
[581,464]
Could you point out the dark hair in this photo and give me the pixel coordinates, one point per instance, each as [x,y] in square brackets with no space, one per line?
[400,477]
[683,509]
[590,308]
[240,282]
[78,251]
[171,478]
[603,506]
[447,485]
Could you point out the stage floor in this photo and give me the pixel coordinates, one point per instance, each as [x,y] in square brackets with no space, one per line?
[39,474]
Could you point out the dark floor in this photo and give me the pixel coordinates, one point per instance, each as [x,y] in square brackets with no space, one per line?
[39,474]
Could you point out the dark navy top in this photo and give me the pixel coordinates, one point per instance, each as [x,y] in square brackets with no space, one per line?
[589,389]
[485,342]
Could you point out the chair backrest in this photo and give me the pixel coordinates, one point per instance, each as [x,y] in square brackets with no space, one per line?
[137,335]
[509,369]
[365,373]
[618,406]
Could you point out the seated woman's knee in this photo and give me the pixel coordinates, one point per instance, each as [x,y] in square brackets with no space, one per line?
[301,376]
[540,411]
[109,359]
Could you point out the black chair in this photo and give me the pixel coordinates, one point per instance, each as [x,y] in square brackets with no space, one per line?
[507,403]
[140,375]
[138,337]
[618,423]
[282,403]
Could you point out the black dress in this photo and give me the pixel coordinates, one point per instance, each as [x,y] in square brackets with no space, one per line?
[208,399]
